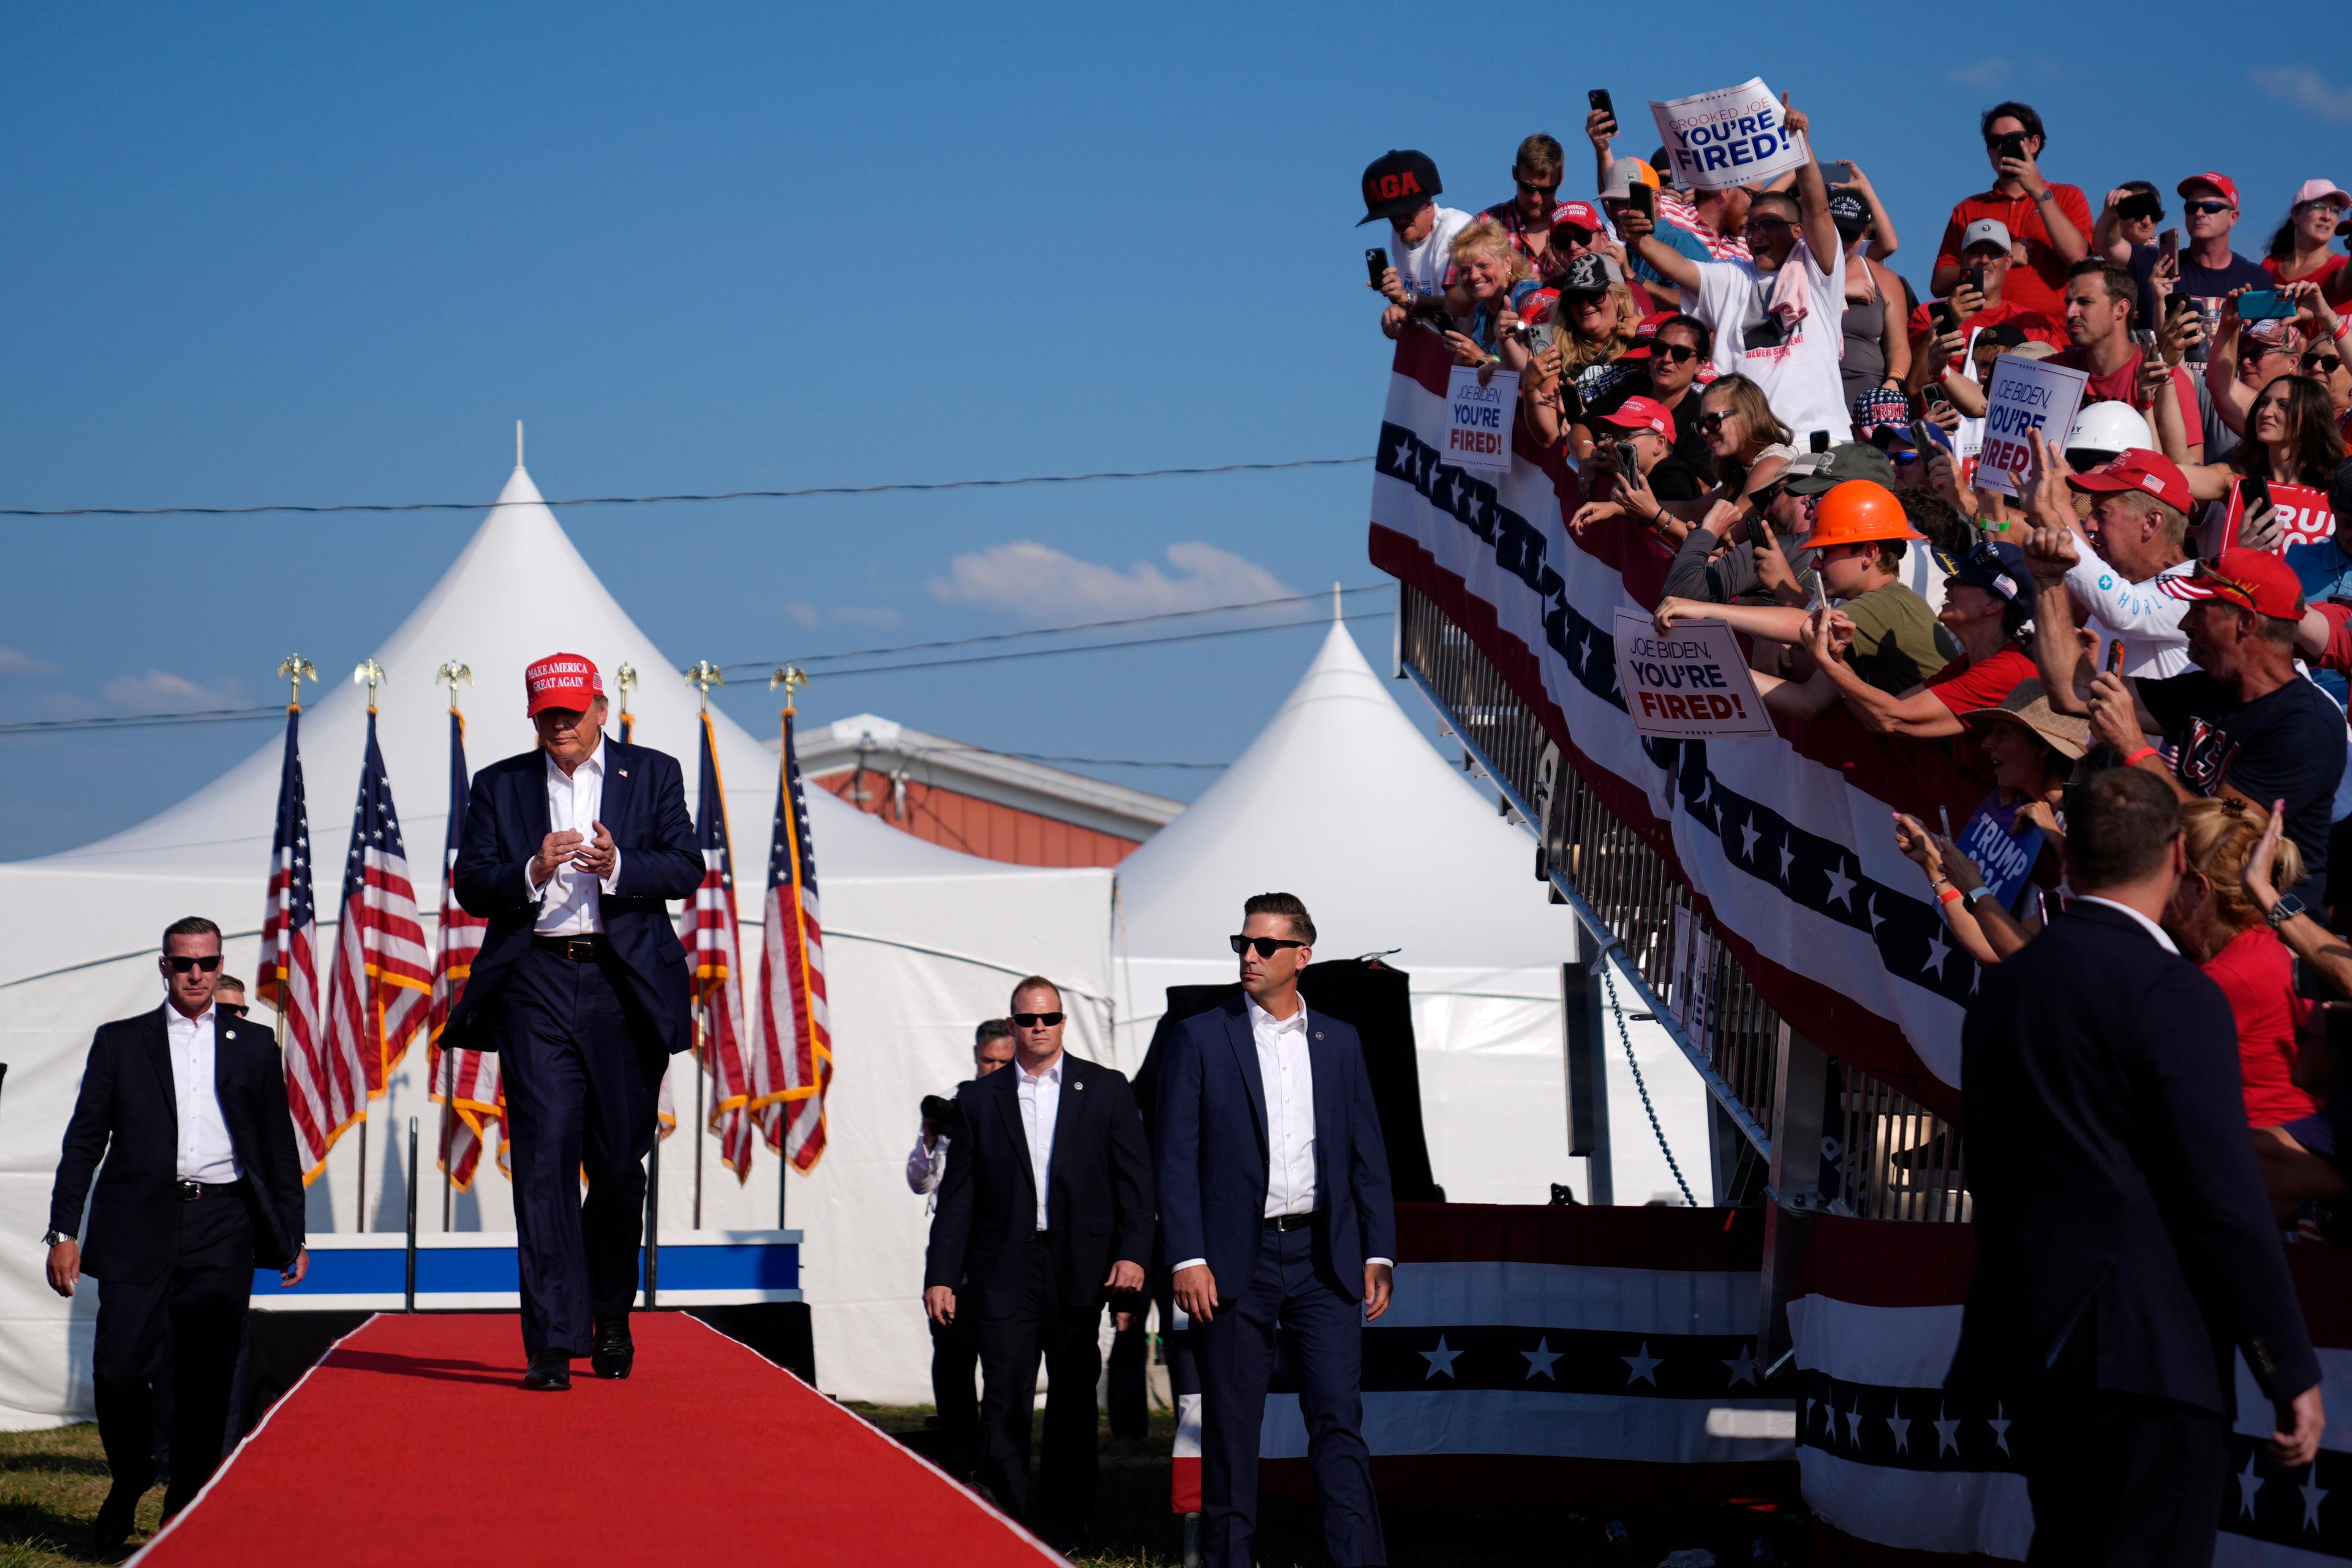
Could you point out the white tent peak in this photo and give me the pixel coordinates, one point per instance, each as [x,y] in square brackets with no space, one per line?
[1340,801]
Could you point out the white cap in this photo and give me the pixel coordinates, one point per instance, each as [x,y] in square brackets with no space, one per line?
[1986,231]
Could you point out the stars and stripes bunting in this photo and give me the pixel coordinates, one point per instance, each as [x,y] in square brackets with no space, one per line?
[379,985]
[288,980]
[706,928]
[793,1060]
[464,1083]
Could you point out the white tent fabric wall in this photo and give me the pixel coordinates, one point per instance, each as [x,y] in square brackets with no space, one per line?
[1340,801]
[922,941]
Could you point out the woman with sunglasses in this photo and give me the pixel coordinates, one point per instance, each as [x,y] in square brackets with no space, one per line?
[2298,251]
[1748,447]
[1587,369]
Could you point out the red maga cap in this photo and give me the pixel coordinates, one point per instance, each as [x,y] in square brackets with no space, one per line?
[1642,414]
[2227,186]
[561,680]
[2137,468]
[1580,213]
[2253,580]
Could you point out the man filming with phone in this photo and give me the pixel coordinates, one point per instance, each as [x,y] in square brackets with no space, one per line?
[2049,225]
[1980,299]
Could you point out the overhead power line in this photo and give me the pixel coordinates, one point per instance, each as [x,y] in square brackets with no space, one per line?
[142,720]
[903,486]
[1102,647]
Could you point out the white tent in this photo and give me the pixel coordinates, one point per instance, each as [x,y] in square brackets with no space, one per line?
[1341,801]
[920,944]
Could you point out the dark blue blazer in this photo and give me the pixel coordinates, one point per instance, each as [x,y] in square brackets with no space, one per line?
[1211,1151]
[1100,1205]
[128,1114]
[2115,1181]
[644,807]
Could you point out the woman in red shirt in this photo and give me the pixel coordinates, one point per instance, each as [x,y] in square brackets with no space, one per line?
[2298,251]
[2221,931]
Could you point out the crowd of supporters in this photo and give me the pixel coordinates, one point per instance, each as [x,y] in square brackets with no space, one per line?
[1778,431]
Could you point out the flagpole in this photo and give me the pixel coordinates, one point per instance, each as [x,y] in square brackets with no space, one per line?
[791,678]
[452,672]
[369,673]
[703,676]
[292,667]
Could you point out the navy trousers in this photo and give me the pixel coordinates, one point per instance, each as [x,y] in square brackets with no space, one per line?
[1067,1333]
[1324,1333]
[181,1328]
[581,1084]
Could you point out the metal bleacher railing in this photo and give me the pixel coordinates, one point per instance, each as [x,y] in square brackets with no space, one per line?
[1881,1155]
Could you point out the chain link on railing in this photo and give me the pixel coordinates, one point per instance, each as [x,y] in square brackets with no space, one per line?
[1891,1159]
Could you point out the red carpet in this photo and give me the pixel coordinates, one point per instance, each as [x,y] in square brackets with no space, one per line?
[410,1444]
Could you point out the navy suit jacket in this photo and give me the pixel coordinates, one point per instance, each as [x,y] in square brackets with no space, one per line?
[2114,1177]
[129,1114]
[1212,1150]
[1100,1205]
[643,808]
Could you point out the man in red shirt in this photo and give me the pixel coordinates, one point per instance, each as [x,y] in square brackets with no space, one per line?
[2098,314]
[2049,225]
[1979,299]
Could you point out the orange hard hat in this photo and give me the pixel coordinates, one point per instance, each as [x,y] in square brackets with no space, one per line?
[1858,513]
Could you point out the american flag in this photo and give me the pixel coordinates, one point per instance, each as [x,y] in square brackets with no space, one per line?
[708,932]
[465,1083]
[290,927]
[795,1054]
[379,989]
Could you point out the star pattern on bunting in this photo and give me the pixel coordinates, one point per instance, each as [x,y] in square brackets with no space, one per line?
[1440,1360]
[2314,1494]
[1541,1360]
[1642,1366]
[1946,1440]
[1900,1425]
[1742,1366]
[2250,1485]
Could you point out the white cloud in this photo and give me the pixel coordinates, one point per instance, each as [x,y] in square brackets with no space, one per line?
[1988,73]
[802,613]
[1037,582]
[2306,89]
[160,691]
[16,661]
[867,615]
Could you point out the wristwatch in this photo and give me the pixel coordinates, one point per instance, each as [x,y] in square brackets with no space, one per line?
[1973,894]
[2285,909]
[55,1237]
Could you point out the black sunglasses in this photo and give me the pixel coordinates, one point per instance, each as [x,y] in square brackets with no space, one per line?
[1545,190]
[1032,1020]
[1267,946]
[1764,496]
[1710,423]
[2323,363]
[181,964]
[1674,354]
[2205,207]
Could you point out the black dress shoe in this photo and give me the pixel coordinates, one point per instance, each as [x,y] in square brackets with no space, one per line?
[112,1528]
[549,1371]
[614,1352]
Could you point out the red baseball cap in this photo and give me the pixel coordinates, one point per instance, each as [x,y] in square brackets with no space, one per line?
[561,680]
[2253,580]
[1580,213]
[1642,414]
[2137,468]
[2221,182]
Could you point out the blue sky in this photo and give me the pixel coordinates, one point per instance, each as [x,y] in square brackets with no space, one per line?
[316,253]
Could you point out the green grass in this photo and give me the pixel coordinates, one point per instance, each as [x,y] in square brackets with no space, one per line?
[51,1483]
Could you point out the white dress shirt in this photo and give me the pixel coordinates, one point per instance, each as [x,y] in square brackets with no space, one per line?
[2162,938]
[926,1164]
[1288,1074]
[1041,1103]
[570,903]
[204,1153]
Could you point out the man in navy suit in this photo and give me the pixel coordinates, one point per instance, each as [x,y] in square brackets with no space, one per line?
[571,853]
[1274,1201]
[187,1105]
[2124,1242]
[1045,1207]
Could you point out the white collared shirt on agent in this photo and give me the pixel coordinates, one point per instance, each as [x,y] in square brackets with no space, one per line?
[204,1153]
[1289,1079]
[2163,938]
[1041,1103]
[570,901]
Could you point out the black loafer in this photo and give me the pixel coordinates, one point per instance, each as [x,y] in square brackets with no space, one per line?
[111,1530]
[616,1353]
[550,1370]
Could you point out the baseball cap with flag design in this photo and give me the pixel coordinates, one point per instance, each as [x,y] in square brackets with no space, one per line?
[2253,580]
[1642,414]
[561,680]
[2137,468]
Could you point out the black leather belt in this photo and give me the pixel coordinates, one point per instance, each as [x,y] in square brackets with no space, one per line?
[578,949]
[196,1191]
[1290,1222]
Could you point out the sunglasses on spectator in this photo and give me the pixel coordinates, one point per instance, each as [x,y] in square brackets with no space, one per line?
[1527,186]
[2323,363]
[1765,495]
[1709,423]
[2204,206]
[1032,1020]
[1267,946]
[1674,354]
[181,964]
[1763,223]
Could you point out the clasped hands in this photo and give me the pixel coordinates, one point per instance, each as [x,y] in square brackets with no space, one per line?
[594,856]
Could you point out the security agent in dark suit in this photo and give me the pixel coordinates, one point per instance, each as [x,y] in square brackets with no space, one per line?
[2124,1243]
[571,852]
[1274,1208]
[1045,1207]
[187,1108]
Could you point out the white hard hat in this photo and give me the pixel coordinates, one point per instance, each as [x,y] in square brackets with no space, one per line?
[2109,426]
